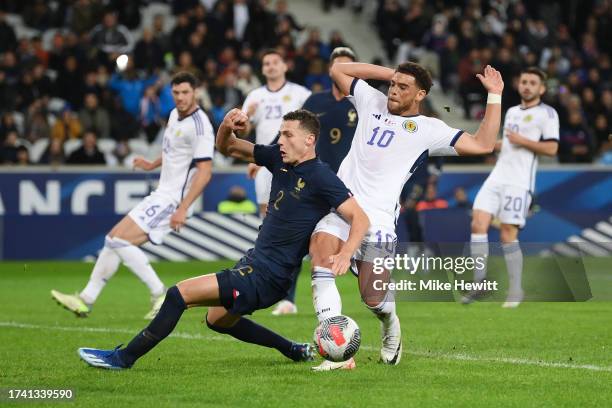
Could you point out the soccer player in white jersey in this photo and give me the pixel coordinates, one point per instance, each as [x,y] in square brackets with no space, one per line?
[530,129]
[265,107]
[391,140]
[188,146]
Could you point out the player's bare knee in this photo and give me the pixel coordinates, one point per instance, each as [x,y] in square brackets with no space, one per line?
[479,226]
[508,233]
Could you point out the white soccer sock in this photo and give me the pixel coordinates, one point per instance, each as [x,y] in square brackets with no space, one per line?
[384,309]
[325,296]
[104,269]
[137,262]
[514,264]
[479,248]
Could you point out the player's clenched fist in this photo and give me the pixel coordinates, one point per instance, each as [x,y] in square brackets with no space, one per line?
[142,163]
[236,119]
[492,80]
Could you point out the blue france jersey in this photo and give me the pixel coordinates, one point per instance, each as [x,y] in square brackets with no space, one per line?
[301,195]
[338,123]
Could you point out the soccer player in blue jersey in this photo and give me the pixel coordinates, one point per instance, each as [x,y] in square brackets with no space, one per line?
[338,118]
[304,189]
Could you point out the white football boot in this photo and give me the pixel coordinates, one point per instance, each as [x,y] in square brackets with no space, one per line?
[391,350]
[327,365]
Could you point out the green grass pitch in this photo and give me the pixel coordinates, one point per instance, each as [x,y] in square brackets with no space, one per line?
[541,354]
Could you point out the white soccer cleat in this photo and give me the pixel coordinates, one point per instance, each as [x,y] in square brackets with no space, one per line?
[156,304]
[74,303]
[284,307]
[513,300]
[327,365]
[391,350]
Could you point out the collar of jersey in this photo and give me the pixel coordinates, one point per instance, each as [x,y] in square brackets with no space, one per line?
[181,119]
[521,108]
[278,90]
[314,159]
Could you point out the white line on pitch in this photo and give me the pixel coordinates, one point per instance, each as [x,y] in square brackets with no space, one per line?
[436,355]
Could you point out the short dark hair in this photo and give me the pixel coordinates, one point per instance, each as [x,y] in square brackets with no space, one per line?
[184,76]
[271,51]
[342,52]
[308,120]
[535,71]
[420,74]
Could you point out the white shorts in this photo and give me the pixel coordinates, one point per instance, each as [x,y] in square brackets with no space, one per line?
[263,184]
[378,241]
[509,203]
[153,215]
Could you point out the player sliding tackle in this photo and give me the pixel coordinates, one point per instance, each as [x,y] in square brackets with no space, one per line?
[390,142]
[304,190]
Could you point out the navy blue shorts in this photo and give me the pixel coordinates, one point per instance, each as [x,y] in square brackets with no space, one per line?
[247,287]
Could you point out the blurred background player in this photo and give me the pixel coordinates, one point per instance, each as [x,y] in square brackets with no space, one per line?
[188,146]
[338,119]
[265,107]
[530,129]
[391,140]
[304,189]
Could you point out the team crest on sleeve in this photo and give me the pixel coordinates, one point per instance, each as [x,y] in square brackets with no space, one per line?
[410,125]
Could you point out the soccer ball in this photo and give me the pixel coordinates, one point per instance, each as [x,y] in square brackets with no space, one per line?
[337,338]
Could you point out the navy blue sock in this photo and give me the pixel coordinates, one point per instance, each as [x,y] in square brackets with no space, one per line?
[291,293]
[159,328]
[250,332]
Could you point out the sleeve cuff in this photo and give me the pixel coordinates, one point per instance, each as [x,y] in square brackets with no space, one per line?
[201,159]
[456,137]
[353,85]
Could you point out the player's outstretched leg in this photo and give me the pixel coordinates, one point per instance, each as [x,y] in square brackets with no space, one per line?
[104,269]
[382,304]
[287,305]
[325,296]
[219,320]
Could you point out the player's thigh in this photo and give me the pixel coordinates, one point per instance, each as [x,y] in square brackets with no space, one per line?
[379,244]
[514,206]
[263,184]
[128,230]
[200,291]
[508,233]
[322,246]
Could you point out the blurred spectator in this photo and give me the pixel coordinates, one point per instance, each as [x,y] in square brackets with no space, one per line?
[23,156]
[123,154]
[37,125]
[66,85]
[148,53]
[94,117]
[67,126]
[83,15]
[54,154]
[461,199]
[8,39]
[150,113]
[247,81]
[111,37]
[576,143]
[603,133]
[237,203]
[88,153]
[8,149]
[123,124]
[37,14]
[431,201]
[130,87]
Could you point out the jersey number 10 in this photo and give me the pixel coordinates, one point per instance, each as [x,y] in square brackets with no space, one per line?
[384,139]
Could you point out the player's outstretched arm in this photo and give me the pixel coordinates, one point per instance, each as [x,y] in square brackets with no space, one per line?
[198,183]
[354,215]
[344,73]
[483,141]
[144,164]
[545,147]
[227,142]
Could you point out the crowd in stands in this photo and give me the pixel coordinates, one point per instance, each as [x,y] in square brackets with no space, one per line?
[570,41]
[60,83]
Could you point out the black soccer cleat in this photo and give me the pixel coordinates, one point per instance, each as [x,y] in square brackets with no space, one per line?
[302,352]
